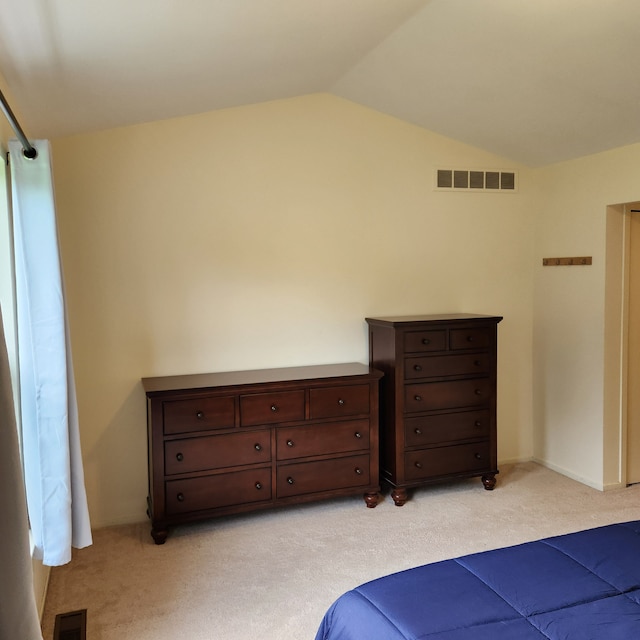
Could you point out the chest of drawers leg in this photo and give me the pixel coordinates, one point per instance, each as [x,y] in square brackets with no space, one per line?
[236,442]
[438,398]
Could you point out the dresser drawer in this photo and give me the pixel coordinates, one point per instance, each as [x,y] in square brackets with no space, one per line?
[270,408]
[419,341]
[333,402]
[223,490]
[198,414]
[431,396]
[312,477]
[322,439]
[216,452]
[443,461]
[446,427]
[442,366]
[479,338]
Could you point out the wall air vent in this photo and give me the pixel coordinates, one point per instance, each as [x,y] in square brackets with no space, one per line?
[477,180]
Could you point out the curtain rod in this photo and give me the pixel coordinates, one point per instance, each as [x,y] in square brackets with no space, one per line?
[29,149]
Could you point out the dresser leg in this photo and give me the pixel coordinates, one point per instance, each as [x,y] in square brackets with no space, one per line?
[372,499]
[159,535]
[399,495]
[489,481]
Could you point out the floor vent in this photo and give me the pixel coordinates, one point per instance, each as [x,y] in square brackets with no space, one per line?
[71,626]
[477,180]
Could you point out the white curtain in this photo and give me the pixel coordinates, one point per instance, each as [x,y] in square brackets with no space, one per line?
[54,476]
[18,611]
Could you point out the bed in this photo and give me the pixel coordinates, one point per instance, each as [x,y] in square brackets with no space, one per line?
[579,586]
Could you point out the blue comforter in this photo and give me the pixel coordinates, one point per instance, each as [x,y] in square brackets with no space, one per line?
[580,586]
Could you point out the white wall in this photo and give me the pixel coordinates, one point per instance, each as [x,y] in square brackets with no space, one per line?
[261,237]
[578,314]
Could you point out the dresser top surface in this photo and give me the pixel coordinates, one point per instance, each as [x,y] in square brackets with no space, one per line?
[442,317]
[258,376]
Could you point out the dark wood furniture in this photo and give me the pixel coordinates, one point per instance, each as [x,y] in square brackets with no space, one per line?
[224,443]
[437,398]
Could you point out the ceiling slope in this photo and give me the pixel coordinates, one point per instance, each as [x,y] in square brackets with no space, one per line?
[535,82]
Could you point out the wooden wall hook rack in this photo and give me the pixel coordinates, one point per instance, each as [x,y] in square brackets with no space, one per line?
[561,262]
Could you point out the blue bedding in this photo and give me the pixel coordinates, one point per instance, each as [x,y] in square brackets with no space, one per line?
[580,586]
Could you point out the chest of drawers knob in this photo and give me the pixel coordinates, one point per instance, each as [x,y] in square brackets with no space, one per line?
[258,486]
[289,443]
[180,497]
[274,408]
[358,471]
[179,457]
[199,415]
[417,398]
[358,435]
[257,446]
[290,480]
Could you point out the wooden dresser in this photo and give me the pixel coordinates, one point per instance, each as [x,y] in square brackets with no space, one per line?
[437,398]
[224,443]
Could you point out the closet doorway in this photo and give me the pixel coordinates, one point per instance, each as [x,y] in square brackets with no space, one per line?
[633,347]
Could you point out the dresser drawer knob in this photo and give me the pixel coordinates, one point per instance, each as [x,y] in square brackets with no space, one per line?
[478,423]
[418,431]
[179,457]
[274,408]
[469,338]
[180,497]
[289,480]
[358,434]
[478,392]
[358,471]
[417,398]
[257,446]
[199,415]
[476,363]
[258,486]
[426,341]
[418,465]
[340,401]
[417,367]
[478,456]
[289,443]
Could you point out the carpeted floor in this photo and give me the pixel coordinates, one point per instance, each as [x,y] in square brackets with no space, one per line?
[272,575]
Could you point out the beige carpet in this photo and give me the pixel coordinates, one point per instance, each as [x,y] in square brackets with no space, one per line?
[272,575]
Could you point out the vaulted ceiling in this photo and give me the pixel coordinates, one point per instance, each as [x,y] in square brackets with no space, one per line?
[535,81]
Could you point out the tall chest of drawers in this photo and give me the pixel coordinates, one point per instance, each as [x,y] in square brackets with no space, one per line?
[437,398]
[224,443]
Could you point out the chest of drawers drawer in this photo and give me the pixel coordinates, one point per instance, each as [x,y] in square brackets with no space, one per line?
[430,396]
[442,461]
[322,439]
[323,475]
[424,341]
[333,402]
[446,427]
[216,452]
[198,414]
[271,407]
[443,366]
[222,490]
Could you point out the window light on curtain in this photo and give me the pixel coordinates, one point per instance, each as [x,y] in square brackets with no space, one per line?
[54,476]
